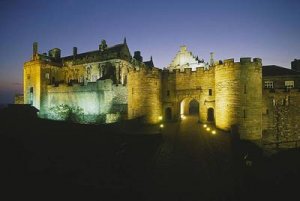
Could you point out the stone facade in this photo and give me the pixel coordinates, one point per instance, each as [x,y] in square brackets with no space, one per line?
[111,84]
[281,108]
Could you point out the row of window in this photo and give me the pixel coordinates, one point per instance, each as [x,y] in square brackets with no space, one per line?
[288,84]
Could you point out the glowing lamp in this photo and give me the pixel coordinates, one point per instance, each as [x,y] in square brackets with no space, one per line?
[213,132]
[160,118]
[204,125]
[161,125]
[208,129]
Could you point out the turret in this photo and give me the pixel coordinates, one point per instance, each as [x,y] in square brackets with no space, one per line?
[137,56]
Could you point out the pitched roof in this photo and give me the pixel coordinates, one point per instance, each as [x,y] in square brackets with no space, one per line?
[119,51]
[273,70]
[149,63]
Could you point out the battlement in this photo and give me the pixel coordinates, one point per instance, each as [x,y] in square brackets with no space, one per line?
[228,61]
[243,61]
[187,70]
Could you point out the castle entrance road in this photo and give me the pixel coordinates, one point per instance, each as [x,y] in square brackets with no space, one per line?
[193,164]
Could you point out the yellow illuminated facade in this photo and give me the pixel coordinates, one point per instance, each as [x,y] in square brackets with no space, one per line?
[109,84]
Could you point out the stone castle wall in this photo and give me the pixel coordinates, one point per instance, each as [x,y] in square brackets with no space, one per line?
[144,94]
[32,79]
[119,87]
[238,97]
[184,86]
[95,98]
[281,115]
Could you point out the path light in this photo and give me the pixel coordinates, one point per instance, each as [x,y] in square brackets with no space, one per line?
[160,118]
[183,117]
[208,129]
[161,125]
[204,125]
[213,132]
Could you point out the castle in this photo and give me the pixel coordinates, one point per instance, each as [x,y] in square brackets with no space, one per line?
[109,84]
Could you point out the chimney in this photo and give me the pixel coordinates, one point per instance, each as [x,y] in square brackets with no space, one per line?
[74,52]
[137,56]
[35,48]
[211,59]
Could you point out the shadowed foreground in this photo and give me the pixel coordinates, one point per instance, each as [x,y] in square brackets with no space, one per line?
[46,160]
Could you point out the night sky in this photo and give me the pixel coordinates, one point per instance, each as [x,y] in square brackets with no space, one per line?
[269,29]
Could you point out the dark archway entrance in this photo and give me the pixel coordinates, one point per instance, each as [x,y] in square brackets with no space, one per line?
[168,114]
[189,106]
[193,107]
[210,115]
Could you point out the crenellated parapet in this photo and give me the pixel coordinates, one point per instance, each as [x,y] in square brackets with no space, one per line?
[243,62]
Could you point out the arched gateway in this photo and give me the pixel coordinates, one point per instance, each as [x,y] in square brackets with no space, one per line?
[189,106]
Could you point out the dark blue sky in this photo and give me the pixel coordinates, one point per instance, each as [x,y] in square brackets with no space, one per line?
[269,29]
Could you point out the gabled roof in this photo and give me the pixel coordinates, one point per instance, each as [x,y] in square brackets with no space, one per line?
[149,63]
[273,70]
[119,51]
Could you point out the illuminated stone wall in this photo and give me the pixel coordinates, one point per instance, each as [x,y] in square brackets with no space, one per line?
[117,86]
[32,79]
[95,98]
[239,97]
[186,86]
[144,94]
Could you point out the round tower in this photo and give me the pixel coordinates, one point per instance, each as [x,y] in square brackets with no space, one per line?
[239,97]
[250,124]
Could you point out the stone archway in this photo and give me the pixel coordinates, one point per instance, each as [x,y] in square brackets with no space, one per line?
[194,107]
[189,106]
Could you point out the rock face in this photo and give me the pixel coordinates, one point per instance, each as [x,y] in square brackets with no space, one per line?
[109,84]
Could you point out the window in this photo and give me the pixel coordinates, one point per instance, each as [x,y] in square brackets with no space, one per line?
[289,84]
[31,96]
[269,84]
[47,76]
[245,89]
[210,92]
[244,113]
[168,92]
